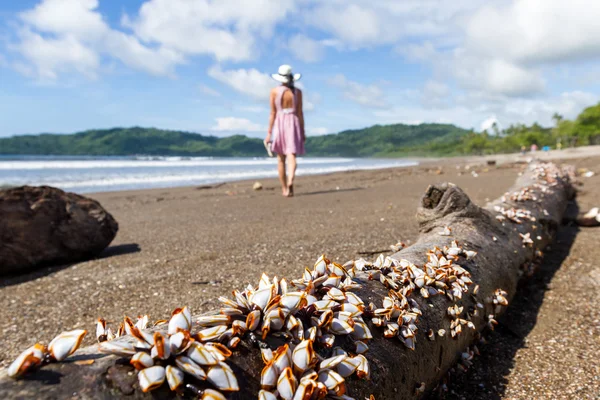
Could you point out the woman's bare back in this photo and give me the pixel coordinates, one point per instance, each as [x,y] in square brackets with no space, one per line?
[287,98]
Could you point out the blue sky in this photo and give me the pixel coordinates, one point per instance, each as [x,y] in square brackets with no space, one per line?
[204,65]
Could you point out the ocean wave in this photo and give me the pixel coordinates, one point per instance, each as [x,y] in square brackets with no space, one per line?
[156,163]
[141,181]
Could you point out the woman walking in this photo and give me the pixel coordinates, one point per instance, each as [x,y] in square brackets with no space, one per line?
[286,126]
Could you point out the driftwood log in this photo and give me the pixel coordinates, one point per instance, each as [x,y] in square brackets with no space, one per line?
[502,259]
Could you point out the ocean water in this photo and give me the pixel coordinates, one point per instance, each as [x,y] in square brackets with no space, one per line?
[100,174]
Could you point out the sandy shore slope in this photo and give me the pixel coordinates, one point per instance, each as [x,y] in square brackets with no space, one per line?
[186,246]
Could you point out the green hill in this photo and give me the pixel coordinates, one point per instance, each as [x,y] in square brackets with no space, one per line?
[375,141]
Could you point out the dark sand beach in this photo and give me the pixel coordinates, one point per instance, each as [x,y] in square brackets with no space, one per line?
[187,246]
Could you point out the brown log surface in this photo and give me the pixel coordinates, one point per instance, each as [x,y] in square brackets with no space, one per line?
[395,370]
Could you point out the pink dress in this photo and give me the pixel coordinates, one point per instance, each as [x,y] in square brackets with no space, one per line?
[287,134]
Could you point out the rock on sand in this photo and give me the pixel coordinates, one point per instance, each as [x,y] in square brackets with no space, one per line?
[44,225]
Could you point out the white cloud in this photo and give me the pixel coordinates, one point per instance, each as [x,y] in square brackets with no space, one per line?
[67,17]
[226,29]
[354,24]
[305,48]
[50,57]
[507,44]
[527,30]
[233,124]
[510,79]
[317,131]
[365,95]
[208,90]
[480,111]
[362,23]
[61,36]
[132,53]
[250,82]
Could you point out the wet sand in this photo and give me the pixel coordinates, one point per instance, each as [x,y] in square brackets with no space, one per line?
[187,246]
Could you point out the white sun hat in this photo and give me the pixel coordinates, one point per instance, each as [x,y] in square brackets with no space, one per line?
[284,74]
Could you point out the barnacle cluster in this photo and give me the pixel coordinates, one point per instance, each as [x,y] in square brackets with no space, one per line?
[551,174]
[525,194]
[319,309]
[104,332]
[302,374]
[516,215]
[399,313]
[170,357]
[58,349]
[310,313]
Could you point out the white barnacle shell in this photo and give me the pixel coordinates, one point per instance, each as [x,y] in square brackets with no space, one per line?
[253,320]
[215,320]
[117,348]
[222,376]
[336,269]
[101,332]
[220,351]
[201,355]
[179,342]
[360,347]
[188,366]
[303,356]
[341,327]
[262,297]
[336,294]
[470,254]
[174,376]
[293,300]
[321,265]
[141,360]
[268,376]
[151,378]
[333,381]
[142,322]
[287,384]
[26,361]
[181,319]
[161,348]
[213,333]
[210,394]
[66,343]
[266,395]
[332,281]
[331,362]
[361,331]
[282,358]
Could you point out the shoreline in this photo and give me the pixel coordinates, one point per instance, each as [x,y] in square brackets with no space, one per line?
[501,159]
[265,175]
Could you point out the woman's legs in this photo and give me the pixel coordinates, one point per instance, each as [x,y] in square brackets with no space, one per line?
[282,177]
[291,173]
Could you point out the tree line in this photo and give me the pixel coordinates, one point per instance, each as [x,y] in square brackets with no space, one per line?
[582,131]
[397,140]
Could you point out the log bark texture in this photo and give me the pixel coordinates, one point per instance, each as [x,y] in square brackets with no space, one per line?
[395,370]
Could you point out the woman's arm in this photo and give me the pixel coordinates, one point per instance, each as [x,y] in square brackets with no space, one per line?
[300,113]
[272,116]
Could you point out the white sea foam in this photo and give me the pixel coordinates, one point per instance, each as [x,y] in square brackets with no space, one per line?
[96,175]
[162,162]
